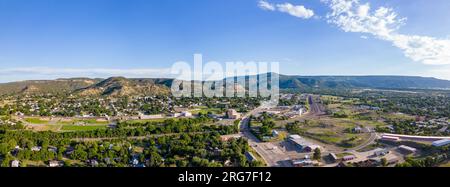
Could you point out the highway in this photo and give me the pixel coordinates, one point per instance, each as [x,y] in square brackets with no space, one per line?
[272,155]
[269,152]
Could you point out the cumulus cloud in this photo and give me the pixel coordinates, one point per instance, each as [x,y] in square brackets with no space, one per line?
[384,23]
[294,10]
[381,22]
[266,6]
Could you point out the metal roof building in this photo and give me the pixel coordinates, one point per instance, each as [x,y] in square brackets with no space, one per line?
[440,143]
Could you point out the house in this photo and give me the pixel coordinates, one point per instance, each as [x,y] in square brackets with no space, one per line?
[299,109]
[333,157]
[357,130]
[407,149]
[92,163]
[441,143]
[69,150]
[107,160]
[186,114]
[135,161]
[55,163]
[311,147]
[15,163]
[307,157]
[175,115]
[348,157]
[391,160]
[36,148]
[380,152]
[232,114]
[228,163]
[297,140]
[87,116]
[275,133]
[341,165]
[304,163]
[52,149]
[266,138]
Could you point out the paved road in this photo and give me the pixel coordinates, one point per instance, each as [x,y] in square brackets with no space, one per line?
[269,152]
[314,108]
[317,109]
[371,140]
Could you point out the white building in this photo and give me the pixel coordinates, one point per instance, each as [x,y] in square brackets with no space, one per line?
[390,138]
[36,148]
[275,133]
[175,115]
[55,163]
[156,116]
[232,114]
[186,114]
[408,149]
[303,144]
[380,152]
[15,163]
[441,143]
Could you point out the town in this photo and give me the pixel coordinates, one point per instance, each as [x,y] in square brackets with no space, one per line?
[304,130]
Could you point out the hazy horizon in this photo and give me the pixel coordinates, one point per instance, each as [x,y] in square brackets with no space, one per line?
[173,77]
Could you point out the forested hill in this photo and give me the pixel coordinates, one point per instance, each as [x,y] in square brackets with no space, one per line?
[120,86]
[386,82]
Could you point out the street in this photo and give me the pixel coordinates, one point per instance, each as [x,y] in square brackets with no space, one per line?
[270,153]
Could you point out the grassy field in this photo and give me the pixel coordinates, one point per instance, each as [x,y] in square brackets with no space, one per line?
[82,128]
[447,165]
[37,124]
[83,121]
[205,110]
[30,163]
[36,121]
[340,155]
[258,157]
[398,116]
[335,131]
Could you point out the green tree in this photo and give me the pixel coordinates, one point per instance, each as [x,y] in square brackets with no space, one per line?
[384,162]
[317,154]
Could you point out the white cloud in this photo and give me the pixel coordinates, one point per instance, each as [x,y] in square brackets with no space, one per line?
[384,23]
[266,6]
[294,10]
[441,72]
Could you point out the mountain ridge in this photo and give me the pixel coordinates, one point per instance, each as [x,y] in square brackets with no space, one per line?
[121,86]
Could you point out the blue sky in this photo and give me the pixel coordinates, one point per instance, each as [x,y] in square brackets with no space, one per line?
[48,39]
